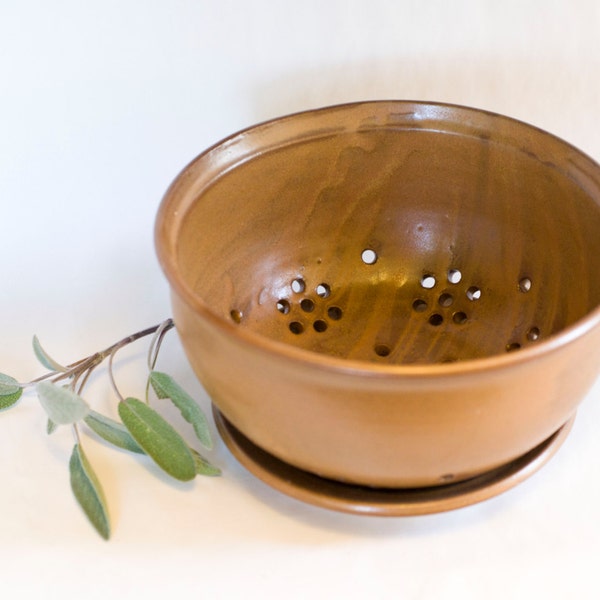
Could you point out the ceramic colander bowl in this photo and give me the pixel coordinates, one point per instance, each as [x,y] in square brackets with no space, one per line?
[393,305]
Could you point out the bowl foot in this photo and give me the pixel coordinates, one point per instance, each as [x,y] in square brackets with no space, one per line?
[364,500]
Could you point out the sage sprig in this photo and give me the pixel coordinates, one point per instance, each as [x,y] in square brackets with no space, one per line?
[141,429]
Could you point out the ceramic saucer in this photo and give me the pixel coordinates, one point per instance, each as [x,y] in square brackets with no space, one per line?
[335,495]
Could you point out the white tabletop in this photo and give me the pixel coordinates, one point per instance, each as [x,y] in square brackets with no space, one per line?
[101,104]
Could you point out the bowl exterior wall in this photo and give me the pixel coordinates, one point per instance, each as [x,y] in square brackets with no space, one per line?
[387,429]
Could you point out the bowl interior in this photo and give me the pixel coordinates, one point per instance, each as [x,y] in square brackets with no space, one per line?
[424,236]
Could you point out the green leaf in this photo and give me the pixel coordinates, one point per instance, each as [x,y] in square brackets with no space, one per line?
[10,391]
[88,491]
[51,427]
[62,405]
[45,359]
[203,466]
[112,431]
[8,385]
[166,387]
[9,400]
[158,439]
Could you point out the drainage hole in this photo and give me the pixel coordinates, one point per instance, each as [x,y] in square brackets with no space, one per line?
[296,327]
[323,290]
[369,257]
[307,305]
[454,276]
[283,306]
[473,293]
[533,334]
[320,326]
[525,285]
[428,281]
[419,305]
[436,319]
[513,346]
[446,300]
[382,350]
[236,316]
[334,312]
[460,318]
[298,285]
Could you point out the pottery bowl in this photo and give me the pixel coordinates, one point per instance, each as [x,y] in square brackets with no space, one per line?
[389,294]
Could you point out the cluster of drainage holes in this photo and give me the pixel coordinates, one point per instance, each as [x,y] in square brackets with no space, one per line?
[445,299]
[307,305]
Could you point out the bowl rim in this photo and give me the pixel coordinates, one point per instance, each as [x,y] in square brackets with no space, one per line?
[328,362]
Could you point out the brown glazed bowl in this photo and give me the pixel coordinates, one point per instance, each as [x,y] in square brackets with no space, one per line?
[393,305]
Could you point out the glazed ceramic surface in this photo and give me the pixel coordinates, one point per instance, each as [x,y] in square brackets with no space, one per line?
[389,294]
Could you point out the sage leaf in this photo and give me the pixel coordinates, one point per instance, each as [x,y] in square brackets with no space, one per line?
[51,427]
[45,359]
[88,491]
[62,405]
[166,387]
[10,391]
[112,431]
[203,466]
[158,439]
[8,385]
[9,400]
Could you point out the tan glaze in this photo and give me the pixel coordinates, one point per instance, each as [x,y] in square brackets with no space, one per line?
[389,502]
[465,335]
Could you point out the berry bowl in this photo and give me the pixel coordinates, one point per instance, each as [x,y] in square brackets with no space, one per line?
[393,305]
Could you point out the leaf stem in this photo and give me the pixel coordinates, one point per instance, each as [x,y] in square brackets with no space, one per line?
[84,380]
[76,434]
[157,341]
[87,365]
[111,376]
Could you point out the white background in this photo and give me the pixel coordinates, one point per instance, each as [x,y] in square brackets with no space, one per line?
[101,104]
